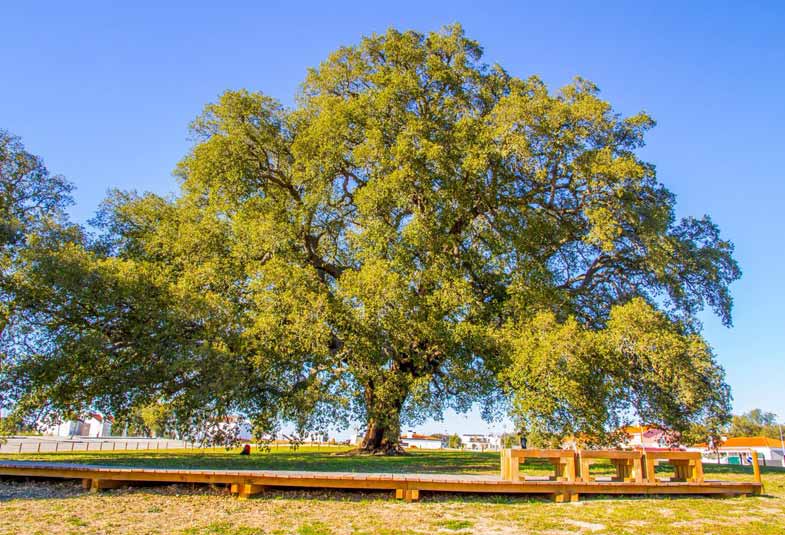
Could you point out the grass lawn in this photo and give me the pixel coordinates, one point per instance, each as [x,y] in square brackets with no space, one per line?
[323,458]
[62,507]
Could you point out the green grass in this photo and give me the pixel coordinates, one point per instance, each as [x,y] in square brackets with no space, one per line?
[317,528]
[325,459]
[222,528]
[455,525]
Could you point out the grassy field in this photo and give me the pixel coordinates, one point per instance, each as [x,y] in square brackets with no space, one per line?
[323,458]
[62,507]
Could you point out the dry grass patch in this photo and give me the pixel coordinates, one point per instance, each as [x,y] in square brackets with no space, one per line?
[62,507]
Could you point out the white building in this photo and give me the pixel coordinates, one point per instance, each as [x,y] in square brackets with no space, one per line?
[480,442]
[422,442]
[738,450]
[646,437]
[90,425]
[237,427]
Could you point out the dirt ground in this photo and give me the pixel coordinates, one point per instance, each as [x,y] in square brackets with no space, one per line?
[63,507]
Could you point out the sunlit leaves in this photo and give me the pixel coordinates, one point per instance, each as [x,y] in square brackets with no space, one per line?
[420,231]
[567,380]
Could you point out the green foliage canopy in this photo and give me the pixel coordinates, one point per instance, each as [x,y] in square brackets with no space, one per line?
[421,231]
[755,423]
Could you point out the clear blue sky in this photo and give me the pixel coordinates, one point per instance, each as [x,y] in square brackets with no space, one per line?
[105,91]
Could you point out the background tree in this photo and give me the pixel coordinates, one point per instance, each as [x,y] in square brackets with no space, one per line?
[454,441]
[414,235]
[157,419]
[510,440]
[755,423]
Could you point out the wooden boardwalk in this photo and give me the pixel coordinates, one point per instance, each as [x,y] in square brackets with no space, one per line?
[406,486]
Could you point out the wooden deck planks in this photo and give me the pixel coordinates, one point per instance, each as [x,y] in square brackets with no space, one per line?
[406,486]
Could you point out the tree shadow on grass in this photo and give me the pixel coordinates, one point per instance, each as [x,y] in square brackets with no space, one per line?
[415,462]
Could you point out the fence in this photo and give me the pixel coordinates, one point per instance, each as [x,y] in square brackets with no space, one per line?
[53,445]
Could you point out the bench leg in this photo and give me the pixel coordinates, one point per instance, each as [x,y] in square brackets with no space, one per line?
[407,495]
[515,469]
[650,471]
[637,470]
[94,485]
[698,473]
[569,469]
[558,469]
[585,465]
[566,496]
[246,490]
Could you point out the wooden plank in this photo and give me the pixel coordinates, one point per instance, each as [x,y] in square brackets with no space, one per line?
[637,469]
[514,469]
[411,495]
[650,469]
[584,469]
[569,468]
[610,454]
[673,455]
[756,472]
[505,464]
[257,480]
[541,453]
[246,490]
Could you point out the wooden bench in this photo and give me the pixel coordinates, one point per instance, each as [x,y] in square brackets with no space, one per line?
[563,462]
[687,465]
[628,464]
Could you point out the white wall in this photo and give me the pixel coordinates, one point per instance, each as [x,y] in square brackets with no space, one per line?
[63,429]
[421,444]
[99,428]
[480,442]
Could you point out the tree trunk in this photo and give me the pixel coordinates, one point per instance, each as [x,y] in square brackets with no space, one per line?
[382,438]
[383,431]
